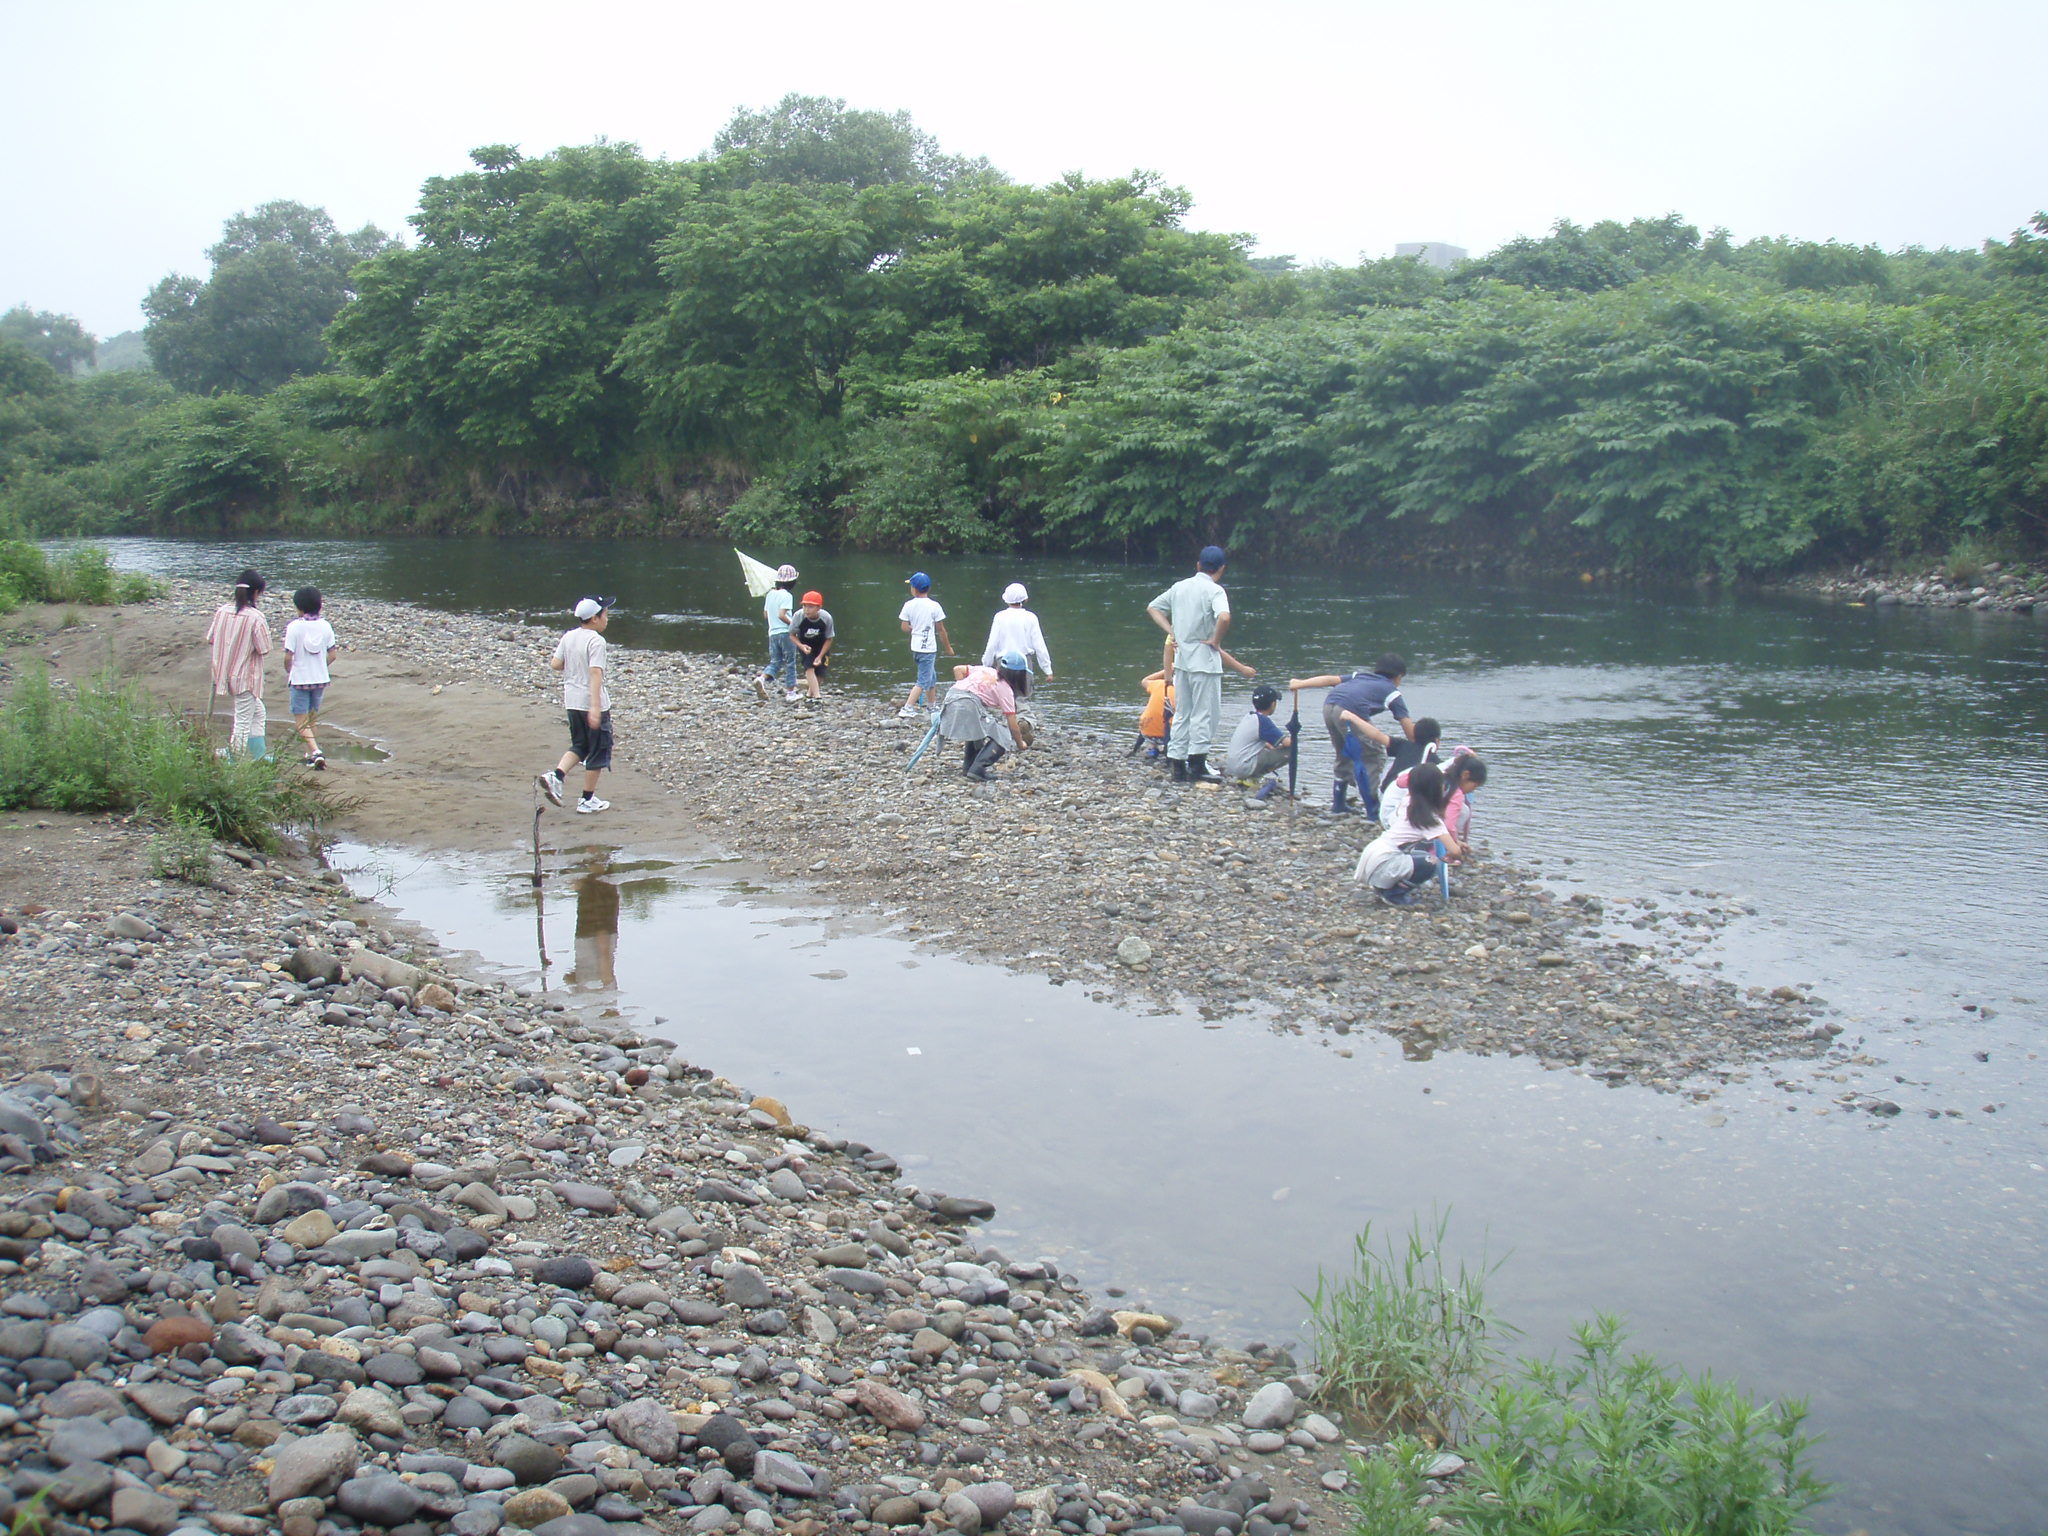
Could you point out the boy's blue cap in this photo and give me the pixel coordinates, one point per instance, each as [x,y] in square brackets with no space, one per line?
[1011,661]
[1211,558]
[919,582]
[1265,697]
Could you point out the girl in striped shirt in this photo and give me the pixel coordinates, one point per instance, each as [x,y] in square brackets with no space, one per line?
[240,639]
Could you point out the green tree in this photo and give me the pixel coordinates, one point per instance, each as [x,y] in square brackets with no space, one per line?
[496,334]
[817,139]
[1567,260]
[1006,277]
[769,291]
[58,340]
[280,274]
[2025,255]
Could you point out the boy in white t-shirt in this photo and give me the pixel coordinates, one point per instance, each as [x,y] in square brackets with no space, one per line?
[925,622]
[587,700]
[309,644]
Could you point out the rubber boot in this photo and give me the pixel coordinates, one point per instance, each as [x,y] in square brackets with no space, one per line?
[1198,769]
[968,752]
[1180,769]
[990,754]
[1337,805]
[258,748]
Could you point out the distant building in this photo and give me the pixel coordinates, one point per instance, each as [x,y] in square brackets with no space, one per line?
[1433,253]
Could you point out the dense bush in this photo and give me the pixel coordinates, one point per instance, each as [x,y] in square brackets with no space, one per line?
[107,748]
[1599,1445]
[80,575]
[1602,1444]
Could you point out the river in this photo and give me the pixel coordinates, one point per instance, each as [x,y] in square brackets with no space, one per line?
[1869,785]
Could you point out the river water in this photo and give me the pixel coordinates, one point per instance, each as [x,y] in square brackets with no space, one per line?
[1872,784]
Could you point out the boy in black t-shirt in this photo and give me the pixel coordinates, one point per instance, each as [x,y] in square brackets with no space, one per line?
[812,634]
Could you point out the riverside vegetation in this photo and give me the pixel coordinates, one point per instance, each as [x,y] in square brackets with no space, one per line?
[827,330]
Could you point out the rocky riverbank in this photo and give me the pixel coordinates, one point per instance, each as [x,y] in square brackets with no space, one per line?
[301,1231]
[1993,587]
[1082,863]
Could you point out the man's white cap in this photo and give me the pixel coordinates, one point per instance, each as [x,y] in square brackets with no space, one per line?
[1015,593]
[591,607]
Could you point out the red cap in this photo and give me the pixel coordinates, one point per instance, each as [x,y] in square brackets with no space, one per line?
[814,599]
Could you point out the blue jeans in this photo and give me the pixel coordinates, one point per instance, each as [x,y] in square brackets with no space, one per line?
[781,658]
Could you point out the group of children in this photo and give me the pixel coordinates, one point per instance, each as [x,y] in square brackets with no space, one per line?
[238,639]
[1420,798]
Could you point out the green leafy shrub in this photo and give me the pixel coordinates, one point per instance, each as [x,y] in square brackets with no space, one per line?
[1598,1445]
[82,575]
[1404,1340]
[110,749]
[24,571]
[137,587]
[182,851]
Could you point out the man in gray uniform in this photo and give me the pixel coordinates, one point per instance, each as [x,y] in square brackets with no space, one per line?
[1196,612]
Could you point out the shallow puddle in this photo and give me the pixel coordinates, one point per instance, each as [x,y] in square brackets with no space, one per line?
[1887,1270]
[345,747]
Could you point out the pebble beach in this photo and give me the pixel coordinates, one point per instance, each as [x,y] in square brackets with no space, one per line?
[303,1228]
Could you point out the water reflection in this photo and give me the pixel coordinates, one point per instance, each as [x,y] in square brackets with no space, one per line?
[597,929]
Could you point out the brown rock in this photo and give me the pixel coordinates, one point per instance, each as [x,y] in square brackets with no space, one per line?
[168,1335]
[773,1108]
[886,1405]
[434,995]
[535,1506]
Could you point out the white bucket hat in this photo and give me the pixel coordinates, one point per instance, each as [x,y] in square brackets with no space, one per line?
[1015,593]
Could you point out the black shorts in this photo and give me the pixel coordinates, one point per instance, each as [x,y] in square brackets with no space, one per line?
[819,667]
[593,746]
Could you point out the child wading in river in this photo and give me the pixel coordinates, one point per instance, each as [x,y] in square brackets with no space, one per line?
[580,658]
[309,645]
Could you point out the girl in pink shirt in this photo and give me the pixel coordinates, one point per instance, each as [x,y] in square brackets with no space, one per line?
[240,640]
[980,712]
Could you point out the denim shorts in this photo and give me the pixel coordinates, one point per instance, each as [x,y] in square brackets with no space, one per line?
[306,701]
[927,668]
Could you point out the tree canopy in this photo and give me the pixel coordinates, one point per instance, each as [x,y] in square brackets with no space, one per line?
[281,273]
[58,340]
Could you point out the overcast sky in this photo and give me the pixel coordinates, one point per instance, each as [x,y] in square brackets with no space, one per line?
[1326,130]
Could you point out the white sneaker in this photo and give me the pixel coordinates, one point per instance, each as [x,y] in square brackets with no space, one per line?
[590,805]
[791,697]
[907,712]
[551,785]
[761,687]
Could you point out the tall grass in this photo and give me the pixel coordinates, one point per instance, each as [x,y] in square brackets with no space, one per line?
[1598,1445]
[109,748]
[1404,1340]
[83,574]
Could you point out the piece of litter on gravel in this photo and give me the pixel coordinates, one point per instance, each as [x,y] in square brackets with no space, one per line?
[913,1050]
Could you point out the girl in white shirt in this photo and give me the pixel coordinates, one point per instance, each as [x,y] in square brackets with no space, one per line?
[1400,859]
[1017,629]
